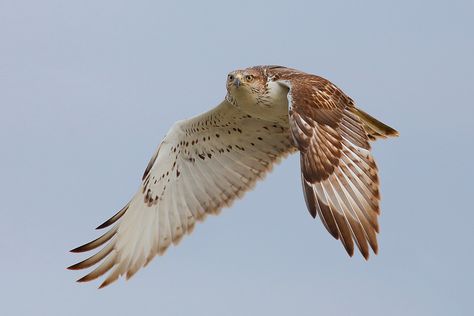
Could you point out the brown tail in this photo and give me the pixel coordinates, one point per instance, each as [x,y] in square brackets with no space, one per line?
[374,128]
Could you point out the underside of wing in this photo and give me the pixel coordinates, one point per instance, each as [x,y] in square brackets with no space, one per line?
[338,173]
[202,165]
[347,198]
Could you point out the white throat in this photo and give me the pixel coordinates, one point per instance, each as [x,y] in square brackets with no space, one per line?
[272,107]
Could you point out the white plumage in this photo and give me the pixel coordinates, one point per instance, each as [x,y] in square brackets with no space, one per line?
[202,165]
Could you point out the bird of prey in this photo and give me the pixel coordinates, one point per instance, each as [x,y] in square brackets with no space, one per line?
[206,162]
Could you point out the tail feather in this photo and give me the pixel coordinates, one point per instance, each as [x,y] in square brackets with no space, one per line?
[374,128]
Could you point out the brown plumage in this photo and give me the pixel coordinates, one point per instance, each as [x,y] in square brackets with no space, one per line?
[206,162]
[339,175]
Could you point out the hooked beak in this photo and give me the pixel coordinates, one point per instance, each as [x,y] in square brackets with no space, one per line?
[237,82]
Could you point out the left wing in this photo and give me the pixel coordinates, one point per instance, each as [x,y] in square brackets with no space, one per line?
[338,173]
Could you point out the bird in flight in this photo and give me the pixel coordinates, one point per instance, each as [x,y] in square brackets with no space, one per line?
[204,163]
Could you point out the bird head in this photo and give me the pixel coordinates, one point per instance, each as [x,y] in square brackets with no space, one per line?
[246,86]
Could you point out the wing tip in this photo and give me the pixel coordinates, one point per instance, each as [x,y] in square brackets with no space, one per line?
[394,133]
[375,249]
[351,252]
[105,284]
[75,266]
[85,278]
[79,249]
[103,225]
[114,218]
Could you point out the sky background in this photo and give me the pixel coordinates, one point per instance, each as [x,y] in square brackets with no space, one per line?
[89,88]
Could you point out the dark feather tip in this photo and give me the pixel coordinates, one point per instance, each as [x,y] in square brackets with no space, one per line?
[103,225]
[85,278]
[73,267]
[104,284]
[78,249]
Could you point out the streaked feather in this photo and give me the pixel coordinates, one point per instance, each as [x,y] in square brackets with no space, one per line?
[186,180]
[339,175]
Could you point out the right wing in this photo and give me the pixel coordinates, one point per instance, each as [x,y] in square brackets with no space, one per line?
[202,165]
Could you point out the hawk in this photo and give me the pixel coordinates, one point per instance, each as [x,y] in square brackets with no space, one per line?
[206,162]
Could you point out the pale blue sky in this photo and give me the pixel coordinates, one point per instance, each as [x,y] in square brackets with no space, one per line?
[89,88]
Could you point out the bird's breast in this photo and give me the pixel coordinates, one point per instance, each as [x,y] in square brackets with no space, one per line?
[270,105]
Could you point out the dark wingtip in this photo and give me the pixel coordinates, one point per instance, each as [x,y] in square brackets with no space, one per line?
[78,249]
[350,251]
[390,132]
[103,225]
[114,218]
[394,133]
[107,223]
[104,284]
[74,267]
[83,279]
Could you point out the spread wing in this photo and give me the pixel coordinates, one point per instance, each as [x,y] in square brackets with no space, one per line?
[338,173]
[202,165]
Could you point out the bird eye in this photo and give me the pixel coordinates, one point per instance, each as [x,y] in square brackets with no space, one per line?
[249,77]
[231,77]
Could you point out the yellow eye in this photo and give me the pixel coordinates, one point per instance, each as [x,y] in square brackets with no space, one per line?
[249,77]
